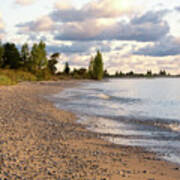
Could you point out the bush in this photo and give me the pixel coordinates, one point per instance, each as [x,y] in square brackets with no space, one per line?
[4,80]
[43,75]
[18,75]
[21,76]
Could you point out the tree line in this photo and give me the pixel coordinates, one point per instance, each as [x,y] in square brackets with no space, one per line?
[149,73]
[36,61]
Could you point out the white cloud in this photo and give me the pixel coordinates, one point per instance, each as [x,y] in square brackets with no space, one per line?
[24,2]
[2,27]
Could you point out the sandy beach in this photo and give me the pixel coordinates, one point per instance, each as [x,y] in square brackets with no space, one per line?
[38,141]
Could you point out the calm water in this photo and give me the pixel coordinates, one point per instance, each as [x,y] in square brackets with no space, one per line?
[135,112]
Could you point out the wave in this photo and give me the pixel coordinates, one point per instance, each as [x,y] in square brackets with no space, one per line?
[148,123]
[121,100]
[103,96]
[174,127]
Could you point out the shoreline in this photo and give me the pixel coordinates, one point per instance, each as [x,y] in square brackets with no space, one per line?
[39,141]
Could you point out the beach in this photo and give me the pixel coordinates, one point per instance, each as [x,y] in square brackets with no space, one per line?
[38,141]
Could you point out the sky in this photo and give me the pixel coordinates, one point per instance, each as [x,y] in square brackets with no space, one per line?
[136,35]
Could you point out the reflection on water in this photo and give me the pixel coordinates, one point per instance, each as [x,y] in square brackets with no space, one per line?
[136,112]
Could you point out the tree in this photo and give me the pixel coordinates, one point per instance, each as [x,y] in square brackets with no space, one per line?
[38,57]
[162,73]
[53,62]
[98,71]
[116,74]
[91,66]
[149,73]
[67,68]
[25,54]
[11,56]
[131,73]
[1,54]
[106,74]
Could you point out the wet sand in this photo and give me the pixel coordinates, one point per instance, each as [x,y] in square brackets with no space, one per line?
[38,141]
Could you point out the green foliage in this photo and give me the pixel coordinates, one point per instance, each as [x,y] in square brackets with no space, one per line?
[18,75]
[67,68]
[32,65]
[91,66]
[44,74]
[149,73]
[1,54]
[162,73]
[53,62]
[25,54]
[98,71]
[106,74]
[4,80]
[38,59]
[80,74]
[11,56]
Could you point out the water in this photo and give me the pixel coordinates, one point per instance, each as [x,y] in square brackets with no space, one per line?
[135,112]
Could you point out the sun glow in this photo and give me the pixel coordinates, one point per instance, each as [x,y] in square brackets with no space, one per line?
[122,4]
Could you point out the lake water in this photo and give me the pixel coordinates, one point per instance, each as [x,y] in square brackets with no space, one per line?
[135,112]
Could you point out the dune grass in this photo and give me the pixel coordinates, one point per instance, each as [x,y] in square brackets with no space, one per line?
[4,80]
[10,77]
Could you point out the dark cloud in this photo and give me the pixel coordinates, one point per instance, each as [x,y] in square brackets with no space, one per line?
[68,15]
[91,10]
[168,46]
[78,47]
[177,8]
[153,17]
[68,49]
[42,24]
[141,28]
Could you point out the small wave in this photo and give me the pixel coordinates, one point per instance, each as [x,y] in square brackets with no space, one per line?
[103,96]
[175,127]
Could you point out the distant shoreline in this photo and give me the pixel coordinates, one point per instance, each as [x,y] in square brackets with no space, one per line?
[40,142]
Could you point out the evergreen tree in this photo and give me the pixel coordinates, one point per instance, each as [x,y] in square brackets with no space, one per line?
[106,74]
[53,62]
[67,68]
[149,73]
[91,66]
[11,56]
[98,71]
[116,74]
[162,73]
[1,54]
[25,54]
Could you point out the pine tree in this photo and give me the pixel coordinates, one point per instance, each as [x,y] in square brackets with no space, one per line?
[1,54]
[98,71]
[91,66]
[11,56]
[67,68]
[25,54]
[53,62]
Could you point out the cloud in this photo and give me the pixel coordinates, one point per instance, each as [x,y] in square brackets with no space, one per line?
[24,2]
[79,47]
[64,12]
[168,46]
[42,24]
[177,8]
[100,20]
[150,17]
[140,28]
[2,27]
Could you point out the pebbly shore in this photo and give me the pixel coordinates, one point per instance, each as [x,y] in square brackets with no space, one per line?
[38,141]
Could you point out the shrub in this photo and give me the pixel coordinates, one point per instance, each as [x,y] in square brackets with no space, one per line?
[18,75]
[4,80]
